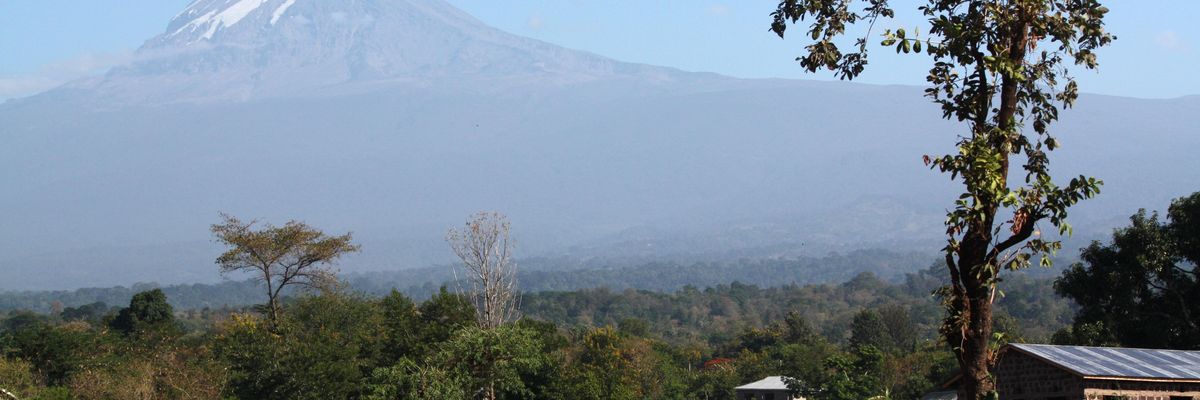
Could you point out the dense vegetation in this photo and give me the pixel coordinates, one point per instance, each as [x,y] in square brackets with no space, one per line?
[536,275]
[862,336]
[1142,289]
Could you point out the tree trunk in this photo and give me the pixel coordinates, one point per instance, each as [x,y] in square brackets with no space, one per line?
[273,306]
[974,305]
[977,381]
[977,269]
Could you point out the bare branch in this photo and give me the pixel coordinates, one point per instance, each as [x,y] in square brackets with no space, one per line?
[485,249]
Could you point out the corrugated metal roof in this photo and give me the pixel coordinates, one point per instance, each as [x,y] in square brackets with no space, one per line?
[1119,362]
[768,383]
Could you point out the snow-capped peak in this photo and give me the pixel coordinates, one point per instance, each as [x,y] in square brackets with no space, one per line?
[239,49]
[279,11]
[213,20]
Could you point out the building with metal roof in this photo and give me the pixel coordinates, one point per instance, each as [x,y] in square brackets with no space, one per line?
[1119,362]
[769,388]
[1052,372]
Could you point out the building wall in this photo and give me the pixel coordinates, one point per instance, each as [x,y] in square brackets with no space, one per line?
[1133,390]
[1021,377]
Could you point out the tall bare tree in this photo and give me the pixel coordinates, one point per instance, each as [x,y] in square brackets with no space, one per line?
[485,249]
[294,254]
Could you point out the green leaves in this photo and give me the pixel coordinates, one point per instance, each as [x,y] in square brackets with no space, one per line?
[281,256]
[829,21]
[1139,289]
[997,67]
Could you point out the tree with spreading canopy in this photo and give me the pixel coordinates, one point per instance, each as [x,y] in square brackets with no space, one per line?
[998,67]
[294,254]
[1143,288]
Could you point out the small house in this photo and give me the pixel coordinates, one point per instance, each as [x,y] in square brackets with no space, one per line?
[769,388]
[1051,372]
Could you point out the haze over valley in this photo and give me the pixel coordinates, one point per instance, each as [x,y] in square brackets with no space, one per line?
[396,119]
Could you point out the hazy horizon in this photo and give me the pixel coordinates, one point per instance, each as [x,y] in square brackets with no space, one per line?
[395,119]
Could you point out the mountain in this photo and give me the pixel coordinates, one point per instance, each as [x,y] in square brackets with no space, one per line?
[395,119]
[239,50]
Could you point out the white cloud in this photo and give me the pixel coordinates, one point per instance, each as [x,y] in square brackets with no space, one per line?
[1171,41]
[12,87]
[53,74]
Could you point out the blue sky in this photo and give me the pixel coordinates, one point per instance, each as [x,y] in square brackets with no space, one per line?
[46,42]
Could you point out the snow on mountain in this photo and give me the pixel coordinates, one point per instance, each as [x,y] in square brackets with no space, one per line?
[216,19]
[221,50]
[282,9]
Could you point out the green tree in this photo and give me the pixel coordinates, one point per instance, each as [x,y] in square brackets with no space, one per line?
[855,376]
[900,327]
[402,325]
[997,67]
[1141,290]
[55,352]
[868,329]
[17,378]
[147,311]
[88,312]
[442,315]
[294,254]
[796,330]
[715,382]
[409,381]
[321,349]
[607,365]
[494,359]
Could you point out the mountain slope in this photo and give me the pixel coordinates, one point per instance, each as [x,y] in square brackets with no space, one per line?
[238,50]
[395,119]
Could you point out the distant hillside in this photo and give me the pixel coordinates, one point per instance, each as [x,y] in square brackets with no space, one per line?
[535,276]
[395,119]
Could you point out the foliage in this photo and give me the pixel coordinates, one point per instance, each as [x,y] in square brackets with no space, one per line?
[854,376]
[402,325]
[536,276]
[443,315]
[55,353]
[18,378]
[868,329]
[595,344]
[292,254]
[1141,290]
[320,350]
[91,313]
[494,359]
[147,310]
[168,372]
[410,380]
[997,67]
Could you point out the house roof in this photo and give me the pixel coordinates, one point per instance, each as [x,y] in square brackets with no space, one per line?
[768,383]
[1118,362]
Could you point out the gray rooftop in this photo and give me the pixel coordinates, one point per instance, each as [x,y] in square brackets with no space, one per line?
[1119,362]
[768,383]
